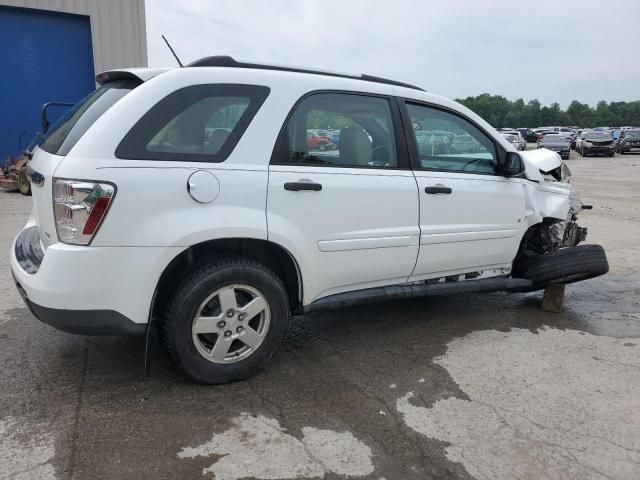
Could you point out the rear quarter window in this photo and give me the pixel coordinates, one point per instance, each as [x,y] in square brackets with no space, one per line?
[199,123]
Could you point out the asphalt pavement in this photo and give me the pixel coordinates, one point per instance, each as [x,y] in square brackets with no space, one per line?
[468,386]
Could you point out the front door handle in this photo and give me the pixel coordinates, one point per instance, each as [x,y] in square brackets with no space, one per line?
[437,189]
[298,186]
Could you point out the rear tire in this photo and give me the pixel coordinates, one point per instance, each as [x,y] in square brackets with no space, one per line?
[567,265]
[203,331]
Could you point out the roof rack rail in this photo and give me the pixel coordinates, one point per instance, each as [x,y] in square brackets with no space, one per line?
[227,61]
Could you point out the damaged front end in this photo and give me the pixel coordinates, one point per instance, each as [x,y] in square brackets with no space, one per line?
[553,208]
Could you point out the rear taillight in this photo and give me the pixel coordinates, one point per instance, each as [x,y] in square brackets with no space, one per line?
[79,208]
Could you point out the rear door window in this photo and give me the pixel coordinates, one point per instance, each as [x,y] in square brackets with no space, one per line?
[200,123]
[66,132]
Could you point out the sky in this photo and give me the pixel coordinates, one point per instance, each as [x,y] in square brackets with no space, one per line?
[555,51]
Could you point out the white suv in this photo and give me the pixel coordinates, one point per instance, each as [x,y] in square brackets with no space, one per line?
[191,199]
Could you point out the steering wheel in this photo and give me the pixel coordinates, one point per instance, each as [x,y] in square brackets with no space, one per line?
[470,162]
[376,152]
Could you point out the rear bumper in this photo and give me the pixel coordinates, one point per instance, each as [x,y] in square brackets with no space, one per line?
[83,322]
[88,290]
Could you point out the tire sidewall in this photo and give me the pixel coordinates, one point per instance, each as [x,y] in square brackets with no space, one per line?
[199,287]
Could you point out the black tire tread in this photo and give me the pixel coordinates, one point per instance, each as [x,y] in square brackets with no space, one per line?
[568,265]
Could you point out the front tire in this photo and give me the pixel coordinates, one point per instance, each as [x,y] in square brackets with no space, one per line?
[226,320]
[567,265]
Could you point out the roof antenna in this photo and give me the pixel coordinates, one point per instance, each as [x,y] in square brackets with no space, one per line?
[174,53]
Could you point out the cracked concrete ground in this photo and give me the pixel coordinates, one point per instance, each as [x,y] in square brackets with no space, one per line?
[461,387]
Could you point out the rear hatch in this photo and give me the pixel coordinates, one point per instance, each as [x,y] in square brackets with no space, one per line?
[57,143]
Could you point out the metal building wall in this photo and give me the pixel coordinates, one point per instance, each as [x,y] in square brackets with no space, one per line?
[118,28]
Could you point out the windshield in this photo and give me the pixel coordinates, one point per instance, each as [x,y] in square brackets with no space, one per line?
[597,136]
[64,134]
[510,137]
[632,134]
[554,138]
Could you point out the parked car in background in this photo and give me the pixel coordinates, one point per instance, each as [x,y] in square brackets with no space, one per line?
[564,130]
[515,139]
[556,143]
[579,137]
[615,133]
[597,143]
[628,141]
[318,142]
[528,134]
[543,131]
[334,135]
[574,139]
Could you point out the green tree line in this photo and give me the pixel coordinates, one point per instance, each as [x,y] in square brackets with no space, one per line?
[501,112]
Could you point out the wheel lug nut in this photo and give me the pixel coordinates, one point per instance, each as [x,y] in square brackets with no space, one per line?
[227,333]
[239,329]
[222,324]
[230,313]
[241,317]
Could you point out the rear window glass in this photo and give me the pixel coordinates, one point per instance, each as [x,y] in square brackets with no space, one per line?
[65,133]
[200,123]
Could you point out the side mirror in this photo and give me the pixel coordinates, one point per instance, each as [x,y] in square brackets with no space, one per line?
[512,166]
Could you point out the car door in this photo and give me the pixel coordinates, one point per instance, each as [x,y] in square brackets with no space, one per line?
[349,214]
[470,218]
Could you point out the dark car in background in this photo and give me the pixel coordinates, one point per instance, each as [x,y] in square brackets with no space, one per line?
[597,143]
[628,141]
[557,143]
[528,134]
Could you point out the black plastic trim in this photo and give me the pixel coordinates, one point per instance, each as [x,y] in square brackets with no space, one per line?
[133,145]
[230,62]
[394,292]
[28,250]
[83,322]
[299,186]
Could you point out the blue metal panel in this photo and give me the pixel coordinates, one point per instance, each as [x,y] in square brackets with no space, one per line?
[44,56]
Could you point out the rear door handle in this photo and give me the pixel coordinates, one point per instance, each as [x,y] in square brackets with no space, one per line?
[298,186]
[437,189]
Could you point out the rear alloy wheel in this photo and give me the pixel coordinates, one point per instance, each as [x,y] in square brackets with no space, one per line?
[24,185]
[323,147]
[226,320]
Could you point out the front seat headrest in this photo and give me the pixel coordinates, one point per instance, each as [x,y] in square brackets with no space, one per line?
[355,147]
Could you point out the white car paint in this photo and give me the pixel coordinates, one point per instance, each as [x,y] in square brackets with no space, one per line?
[368,227]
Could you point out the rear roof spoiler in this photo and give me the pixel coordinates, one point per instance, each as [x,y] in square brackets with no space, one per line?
[140,74]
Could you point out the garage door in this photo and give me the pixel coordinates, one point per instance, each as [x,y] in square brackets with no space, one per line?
[45,56]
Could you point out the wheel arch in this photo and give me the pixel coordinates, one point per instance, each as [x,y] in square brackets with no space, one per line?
[271,254]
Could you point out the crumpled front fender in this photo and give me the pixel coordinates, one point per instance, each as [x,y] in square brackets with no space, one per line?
[538,160]
[549,200]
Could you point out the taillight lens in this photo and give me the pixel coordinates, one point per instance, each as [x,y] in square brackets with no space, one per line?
[79,208]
